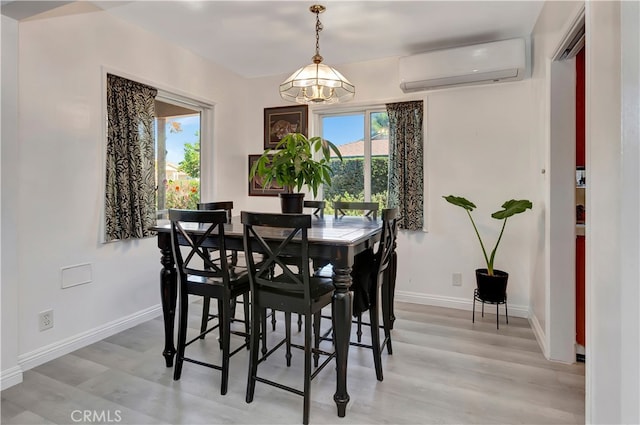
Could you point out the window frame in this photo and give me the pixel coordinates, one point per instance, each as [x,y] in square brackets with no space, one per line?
[367,110]
[170,98]
[206,135]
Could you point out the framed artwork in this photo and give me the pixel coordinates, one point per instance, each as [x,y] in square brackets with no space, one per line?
[255,184]
[280,121]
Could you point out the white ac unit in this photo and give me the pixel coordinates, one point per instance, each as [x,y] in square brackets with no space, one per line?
[476,64]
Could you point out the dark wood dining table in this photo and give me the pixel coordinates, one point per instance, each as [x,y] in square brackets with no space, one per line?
[337,240]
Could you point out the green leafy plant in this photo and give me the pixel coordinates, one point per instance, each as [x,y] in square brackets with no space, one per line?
[291,164]
[509,209]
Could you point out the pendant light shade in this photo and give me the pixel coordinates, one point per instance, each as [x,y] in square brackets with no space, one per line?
[317,82]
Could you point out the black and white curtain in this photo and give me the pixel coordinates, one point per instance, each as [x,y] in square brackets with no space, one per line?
[130,204]
[406,175]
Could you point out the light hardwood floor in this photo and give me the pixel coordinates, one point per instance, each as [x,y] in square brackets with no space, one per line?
[444,369]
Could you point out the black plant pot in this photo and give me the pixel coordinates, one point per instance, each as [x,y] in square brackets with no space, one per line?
[492,288]
[291,203]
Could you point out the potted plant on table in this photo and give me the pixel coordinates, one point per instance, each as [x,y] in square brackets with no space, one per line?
[491,282]
[291,164]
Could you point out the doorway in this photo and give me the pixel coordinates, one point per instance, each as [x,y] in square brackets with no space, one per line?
[562,314]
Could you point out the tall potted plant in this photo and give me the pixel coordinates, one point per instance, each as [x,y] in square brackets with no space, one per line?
[491,282]
[291,164]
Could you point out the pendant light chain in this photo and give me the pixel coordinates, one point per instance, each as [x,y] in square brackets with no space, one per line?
[317,58]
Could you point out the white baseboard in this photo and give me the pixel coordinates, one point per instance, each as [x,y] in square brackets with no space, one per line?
[52,351]
[10,377]
[540,335]
[453,302]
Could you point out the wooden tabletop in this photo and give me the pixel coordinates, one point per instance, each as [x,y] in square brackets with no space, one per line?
[347,230]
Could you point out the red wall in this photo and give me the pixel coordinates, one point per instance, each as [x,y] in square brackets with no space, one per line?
[580,161]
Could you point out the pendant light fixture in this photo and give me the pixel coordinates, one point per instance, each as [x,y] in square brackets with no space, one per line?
[317,82]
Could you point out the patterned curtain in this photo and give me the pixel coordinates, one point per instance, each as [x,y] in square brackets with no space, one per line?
[406,176]
[130,204]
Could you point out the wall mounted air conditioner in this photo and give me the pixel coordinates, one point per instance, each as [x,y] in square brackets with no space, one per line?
[476,64]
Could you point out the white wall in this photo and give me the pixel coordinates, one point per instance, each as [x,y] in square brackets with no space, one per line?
[11,373]
[58,175]
[630,220]
[612,121]
[479,145]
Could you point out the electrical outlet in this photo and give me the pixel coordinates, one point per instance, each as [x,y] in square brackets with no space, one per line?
[45,320]
[456,279]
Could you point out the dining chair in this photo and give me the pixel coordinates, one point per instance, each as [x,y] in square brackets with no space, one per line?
[363,263]
[378,289]
[227,207]
[292,290]
[318,207]
[368,209]
[200,275]
[318,211]
[373,275]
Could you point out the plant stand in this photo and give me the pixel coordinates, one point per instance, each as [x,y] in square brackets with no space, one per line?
[491,289]
[476,297]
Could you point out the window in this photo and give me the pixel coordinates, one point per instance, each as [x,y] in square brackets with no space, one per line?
[177,144]
[362,138]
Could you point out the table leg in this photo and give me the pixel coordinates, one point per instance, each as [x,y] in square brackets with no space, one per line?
[168,294]
[342,307]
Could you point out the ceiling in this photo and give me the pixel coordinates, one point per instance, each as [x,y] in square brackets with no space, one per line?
[260,38]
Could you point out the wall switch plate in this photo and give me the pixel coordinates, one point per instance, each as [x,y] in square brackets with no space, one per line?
[456,279]
[45,320]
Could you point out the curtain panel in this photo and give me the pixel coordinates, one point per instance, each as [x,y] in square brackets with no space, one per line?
[406,175]
[130,204]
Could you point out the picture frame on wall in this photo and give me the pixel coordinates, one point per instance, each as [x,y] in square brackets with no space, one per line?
[255,184]
[280,121]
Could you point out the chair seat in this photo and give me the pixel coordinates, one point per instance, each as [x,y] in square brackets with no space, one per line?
[319,286]
[213,287]
[292,301]
[237,276]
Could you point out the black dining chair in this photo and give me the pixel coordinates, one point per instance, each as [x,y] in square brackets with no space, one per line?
[378,289]
[374,276]
[318,207]
[199,274]
[292,290]
[318,211]
[368,209]
[363,263]
[227,207]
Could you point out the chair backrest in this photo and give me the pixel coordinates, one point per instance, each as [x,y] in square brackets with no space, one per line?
[227,206]
[387,239]
[196,261]
[318,205]
[370,209]
[293,227]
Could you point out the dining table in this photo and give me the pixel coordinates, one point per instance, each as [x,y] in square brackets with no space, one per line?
[334,239]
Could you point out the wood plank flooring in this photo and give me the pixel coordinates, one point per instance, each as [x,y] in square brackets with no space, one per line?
[444,370]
